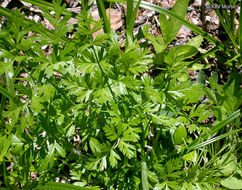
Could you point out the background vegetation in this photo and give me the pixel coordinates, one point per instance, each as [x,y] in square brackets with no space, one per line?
[98,114]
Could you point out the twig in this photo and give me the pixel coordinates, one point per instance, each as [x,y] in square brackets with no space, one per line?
[203,14]
[119,8]
[117,143]
[157,21]
[5,3]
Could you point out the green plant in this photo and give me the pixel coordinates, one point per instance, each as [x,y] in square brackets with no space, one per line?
[135,130]
[232,55]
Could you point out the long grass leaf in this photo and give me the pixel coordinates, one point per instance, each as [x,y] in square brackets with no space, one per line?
[223,123]
[4,92]
[208,53]
[214,130]
[212,140]
[3,100]
[144,178]
[130,6]
[132,18]
[103,15]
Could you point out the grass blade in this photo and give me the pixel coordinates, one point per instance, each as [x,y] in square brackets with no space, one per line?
[200,145]
[130,5]
[3,100]
[4,92]
[103,15]
[214,130]
[131,16]
[145,184]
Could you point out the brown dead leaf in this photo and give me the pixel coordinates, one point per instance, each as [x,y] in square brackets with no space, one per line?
[114,15]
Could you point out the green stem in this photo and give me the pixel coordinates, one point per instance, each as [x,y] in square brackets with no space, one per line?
[3,99]
[103,75]
[10,85]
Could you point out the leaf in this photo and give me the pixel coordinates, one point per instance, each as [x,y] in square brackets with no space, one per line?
[171,27]
[180,135]
[157,41]
[232,183]
[110,132]
[103,95]
[197,66]
[7,144]
[126,148]
[211,95]
[227,164]
[71,131]
[201,112]
[48,160]
[164,120]
[195,42]
[4,66]
[135,61]
[46,92]
[218,112]
[26,90]
[193,93]
[152,177]
[201,79]
[99,163]
[16,145]
[185,51]
[155,95]
[113,158]
[144,178]
[103,164]
[36,104]
[178,54]
[192,156]
[232,99]
[95,145]
[60,149]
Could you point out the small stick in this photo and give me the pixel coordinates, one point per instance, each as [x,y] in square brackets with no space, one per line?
[5,3]
[203,14]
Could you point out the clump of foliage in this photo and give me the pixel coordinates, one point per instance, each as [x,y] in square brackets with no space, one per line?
[136,130]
